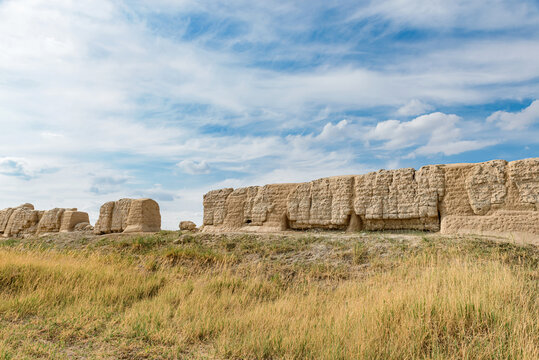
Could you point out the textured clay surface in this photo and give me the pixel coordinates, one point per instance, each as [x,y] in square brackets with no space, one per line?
[188,225]
[24,220]
[490,197]
[128,215]
[144,216]
[72,218]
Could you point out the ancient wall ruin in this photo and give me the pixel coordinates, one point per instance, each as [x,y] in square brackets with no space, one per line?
[124,215]
[492,197]
[25,220]
[128,215]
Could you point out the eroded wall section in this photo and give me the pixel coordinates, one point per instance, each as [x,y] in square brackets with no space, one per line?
[490,197]
[25,220]
[128,215]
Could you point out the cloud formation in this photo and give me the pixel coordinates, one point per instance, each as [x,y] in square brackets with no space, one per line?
[194,167]
[414,107]
[426,134]
[15,167]
[520,120]
[169,99]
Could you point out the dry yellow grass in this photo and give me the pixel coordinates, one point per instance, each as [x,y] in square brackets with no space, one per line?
[276,297]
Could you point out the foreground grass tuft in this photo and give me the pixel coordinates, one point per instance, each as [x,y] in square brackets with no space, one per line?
[171,296]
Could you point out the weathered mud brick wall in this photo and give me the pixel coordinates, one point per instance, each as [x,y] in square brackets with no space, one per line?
[25,220]
[502,198]
[128,215]
[258,207]
[490,197]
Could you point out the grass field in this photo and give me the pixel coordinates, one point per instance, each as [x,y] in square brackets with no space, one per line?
[291,296]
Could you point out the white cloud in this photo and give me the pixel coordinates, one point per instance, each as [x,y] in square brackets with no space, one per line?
[103,185]
[429,134]
[398,135]
[333,132]
[414,107]
[474,14]
[194,167]
[158,193]
[15,167]
[518,120]
[51,135]
[450,148]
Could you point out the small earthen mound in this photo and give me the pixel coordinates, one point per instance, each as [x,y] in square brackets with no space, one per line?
[83,227]
[188,225]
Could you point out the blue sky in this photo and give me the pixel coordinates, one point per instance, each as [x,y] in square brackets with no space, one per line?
[169,99]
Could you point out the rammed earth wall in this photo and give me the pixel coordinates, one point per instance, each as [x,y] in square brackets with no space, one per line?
[492,197]
[25,220]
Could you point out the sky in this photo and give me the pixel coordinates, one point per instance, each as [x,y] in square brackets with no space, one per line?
[101,100]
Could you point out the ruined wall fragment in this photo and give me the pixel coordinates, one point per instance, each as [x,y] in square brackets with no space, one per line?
[324,202]
[120,213]
[104,222]
[502,198]
[5,214]
[250,208]
[215,206]
[400,199]
[431,189]
[515,224]
[299,204]
[61,220]
[71,218]
[25,220]
[144,216]
[51,221]
[432,198]
[524,174]
[455,200]
[485,185]
[128,215]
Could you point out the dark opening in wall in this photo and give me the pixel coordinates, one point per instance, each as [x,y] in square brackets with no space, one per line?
[248,221]
[354,223]
[285,223]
